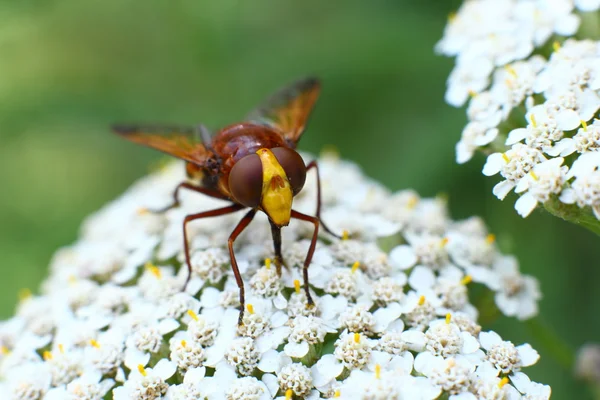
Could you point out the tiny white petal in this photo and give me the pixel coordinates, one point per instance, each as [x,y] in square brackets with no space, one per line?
[516,135]
[567,25]
[415,339]
[521,381]
[587,5]
[567,196]
[421,278]
[167,325]
[525,204]
[135,357]
[487,138]
[194,375]
[210,297]
[296,350]
[528,355]
[488,339]
[378,358]
[385,316]
[502,189]
[165,369]
[470,344]
[270,361]
[280,301]
[326,369]
[424,362]
[278,319]
[568,120]
[463,153]
[486,370]
[493,164]
[403,257]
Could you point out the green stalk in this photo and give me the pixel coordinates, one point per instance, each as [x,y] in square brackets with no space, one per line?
[551,342]
[583,217]
[590,26]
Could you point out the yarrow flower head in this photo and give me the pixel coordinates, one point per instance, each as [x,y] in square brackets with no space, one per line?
[387,322]
[533,98]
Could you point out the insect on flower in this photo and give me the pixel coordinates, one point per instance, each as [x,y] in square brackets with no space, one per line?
[252,164]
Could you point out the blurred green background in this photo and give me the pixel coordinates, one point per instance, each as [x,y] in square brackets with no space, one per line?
[70,68]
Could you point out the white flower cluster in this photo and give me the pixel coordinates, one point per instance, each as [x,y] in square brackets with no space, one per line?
[112,319]
[532,103]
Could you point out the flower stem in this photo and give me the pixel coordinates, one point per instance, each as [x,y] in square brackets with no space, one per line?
[590,26]
[574,214]
[595,389]
[554,345]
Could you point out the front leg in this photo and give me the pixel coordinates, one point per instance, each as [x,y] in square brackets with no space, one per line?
[195,188]
[311,250]
[313,164]
[206,214]
[234,266]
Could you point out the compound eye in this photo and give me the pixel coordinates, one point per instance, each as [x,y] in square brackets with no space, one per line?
[245,181]
[293,165]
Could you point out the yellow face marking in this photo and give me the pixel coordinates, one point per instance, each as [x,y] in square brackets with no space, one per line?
[276,199]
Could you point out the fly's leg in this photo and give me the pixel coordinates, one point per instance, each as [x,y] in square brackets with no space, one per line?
[313,164]
[195,188]
[206,214]
[311,250]
[236,271]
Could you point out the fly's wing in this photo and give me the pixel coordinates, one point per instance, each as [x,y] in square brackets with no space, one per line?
[288,109]
[181,142]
